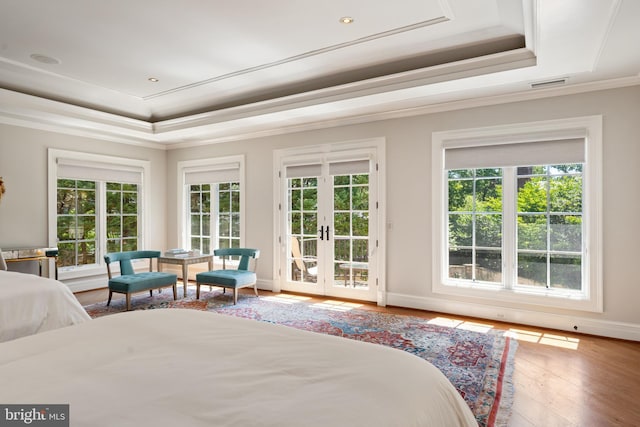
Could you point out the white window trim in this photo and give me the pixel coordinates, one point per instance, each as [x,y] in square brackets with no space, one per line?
[117,163]
[203,164]
[543,130]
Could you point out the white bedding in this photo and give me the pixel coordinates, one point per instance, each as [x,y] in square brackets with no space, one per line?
[194,368]
[31,304]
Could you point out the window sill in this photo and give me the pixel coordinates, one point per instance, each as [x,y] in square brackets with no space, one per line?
[532,297]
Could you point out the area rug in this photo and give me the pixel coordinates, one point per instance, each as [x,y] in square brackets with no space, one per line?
[477,359]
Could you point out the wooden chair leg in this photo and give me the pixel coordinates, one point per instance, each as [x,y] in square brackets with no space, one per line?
[175,291]
[197,290]
[109,300]
[255,289]
[150,292]
[235,296]
[128,301]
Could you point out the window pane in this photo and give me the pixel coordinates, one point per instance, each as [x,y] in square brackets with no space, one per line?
[195,202]
[86,202]
[360,221]
[130,244]
[461,196]
[66,227]
[566,233]
[195,225]
[489,266]
[341,180]
[296,223]
[206,225]
[206,245]
[113,227]
[114,186]
[130,226]
[361,198]
[460,230]
[66,201]
[361,179]
[66,254]
[566,272]
[310,199]
[461,264]
[310,223]
[113,202]
[235,225]
[224,201]
[342,250]
[295,200]
[235,201]
[86,253]
[206,201]
[488,195]
[489,231]
[113,245]
[86,228]
[224,225]
[130,203]
[195,243]
[532,269]
[342,224]
[532,232]
[532,194]
[566,194]
[460,173]
[360,250]
[341,199]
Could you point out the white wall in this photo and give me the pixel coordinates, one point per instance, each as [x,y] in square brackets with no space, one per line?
[23,165]
[409,207]
[23,211]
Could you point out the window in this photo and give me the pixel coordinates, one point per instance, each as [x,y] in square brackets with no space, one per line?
[215,216]
[96,207]
[516,213]
[213,203]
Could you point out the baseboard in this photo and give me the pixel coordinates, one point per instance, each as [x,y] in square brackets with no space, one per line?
[605,328]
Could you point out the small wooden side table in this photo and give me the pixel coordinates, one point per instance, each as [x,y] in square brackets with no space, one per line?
[185,262]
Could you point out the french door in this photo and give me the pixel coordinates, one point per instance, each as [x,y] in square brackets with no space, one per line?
[329,225]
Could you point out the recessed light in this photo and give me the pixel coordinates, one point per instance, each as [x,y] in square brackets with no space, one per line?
[346,20]
[44,58]
[153,79]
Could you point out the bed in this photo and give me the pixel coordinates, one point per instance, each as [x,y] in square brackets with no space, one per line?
[30,304]
[185,367]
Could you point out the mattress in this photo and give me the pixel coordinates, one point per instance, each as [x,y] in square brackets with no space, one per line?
[30,304]
[179,367]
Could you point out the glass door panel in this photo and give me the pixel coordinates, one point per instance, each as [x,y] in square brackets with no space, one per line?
[351,231]
[302,212]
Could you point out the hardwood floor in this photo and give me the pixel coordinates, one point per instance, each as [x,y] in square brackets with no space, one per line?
[560,378]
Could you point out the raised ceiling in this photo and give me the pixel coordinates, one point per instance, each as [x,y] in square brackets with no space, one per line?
[227,70]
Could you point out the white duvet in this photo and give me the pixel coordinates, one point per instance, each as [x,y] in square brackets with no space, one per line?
[31,304]
[193,368]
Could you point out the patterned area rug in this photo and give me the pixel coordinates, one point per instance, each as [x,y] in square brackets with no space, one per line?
[477,359]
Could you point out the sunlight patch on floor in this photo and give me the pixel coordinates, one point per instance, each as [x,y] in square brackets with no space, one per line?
[554,340]
[286,298]
[461,324]
[336,305]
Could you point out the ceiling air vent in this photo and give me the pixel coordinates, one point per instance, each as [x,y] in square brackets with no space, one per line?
[548,83]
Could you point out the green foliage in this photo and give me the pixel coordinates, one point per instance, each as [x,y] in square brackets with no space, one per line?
[549,206]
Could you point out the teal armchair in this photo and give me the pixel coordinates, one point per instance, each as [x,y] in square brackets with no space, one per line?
[235,279]
[130,282]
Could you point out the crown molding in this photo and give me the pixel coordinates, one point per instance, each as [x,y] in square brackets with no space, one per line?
[23,110]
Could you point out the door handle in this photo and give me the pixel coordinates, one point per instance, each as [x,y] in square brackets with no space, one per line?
[322,232]
[327,233]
